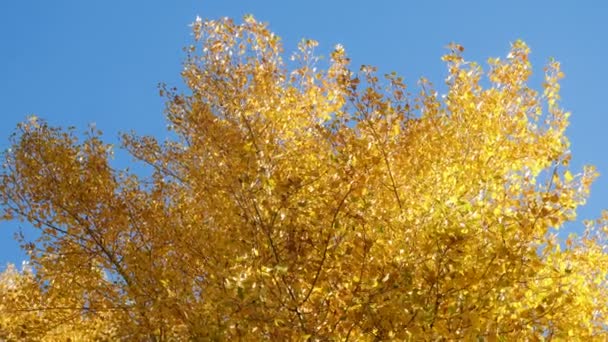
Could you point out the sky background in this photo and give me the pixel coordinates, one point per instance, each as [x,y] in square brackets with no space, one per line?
[81,62]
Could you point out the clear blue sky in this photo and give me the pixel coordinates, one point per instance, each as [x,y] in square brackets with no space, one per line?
[78,62]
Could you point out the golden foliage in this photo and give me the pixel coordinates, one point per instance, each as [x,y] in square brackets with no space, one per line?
[311,203]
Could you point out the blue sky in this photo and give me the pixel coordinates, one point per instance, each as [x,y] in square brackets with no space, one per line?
[81,62]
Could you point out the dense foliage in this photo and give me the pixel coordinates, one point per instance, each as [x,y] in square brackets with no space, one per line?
[300,200]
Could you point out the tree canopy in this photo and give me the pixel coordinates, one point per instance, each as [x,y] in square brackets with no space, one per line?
[300,199]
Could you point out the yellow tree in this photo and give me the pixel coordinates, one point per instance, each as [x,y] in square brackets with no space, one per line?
[311,203]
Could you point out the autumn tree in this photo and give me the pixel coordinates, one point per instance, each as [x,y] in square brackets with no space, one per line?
[304,200]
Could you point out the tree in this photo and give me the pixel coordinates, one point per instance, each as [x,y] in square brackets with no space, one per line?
[311,202]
